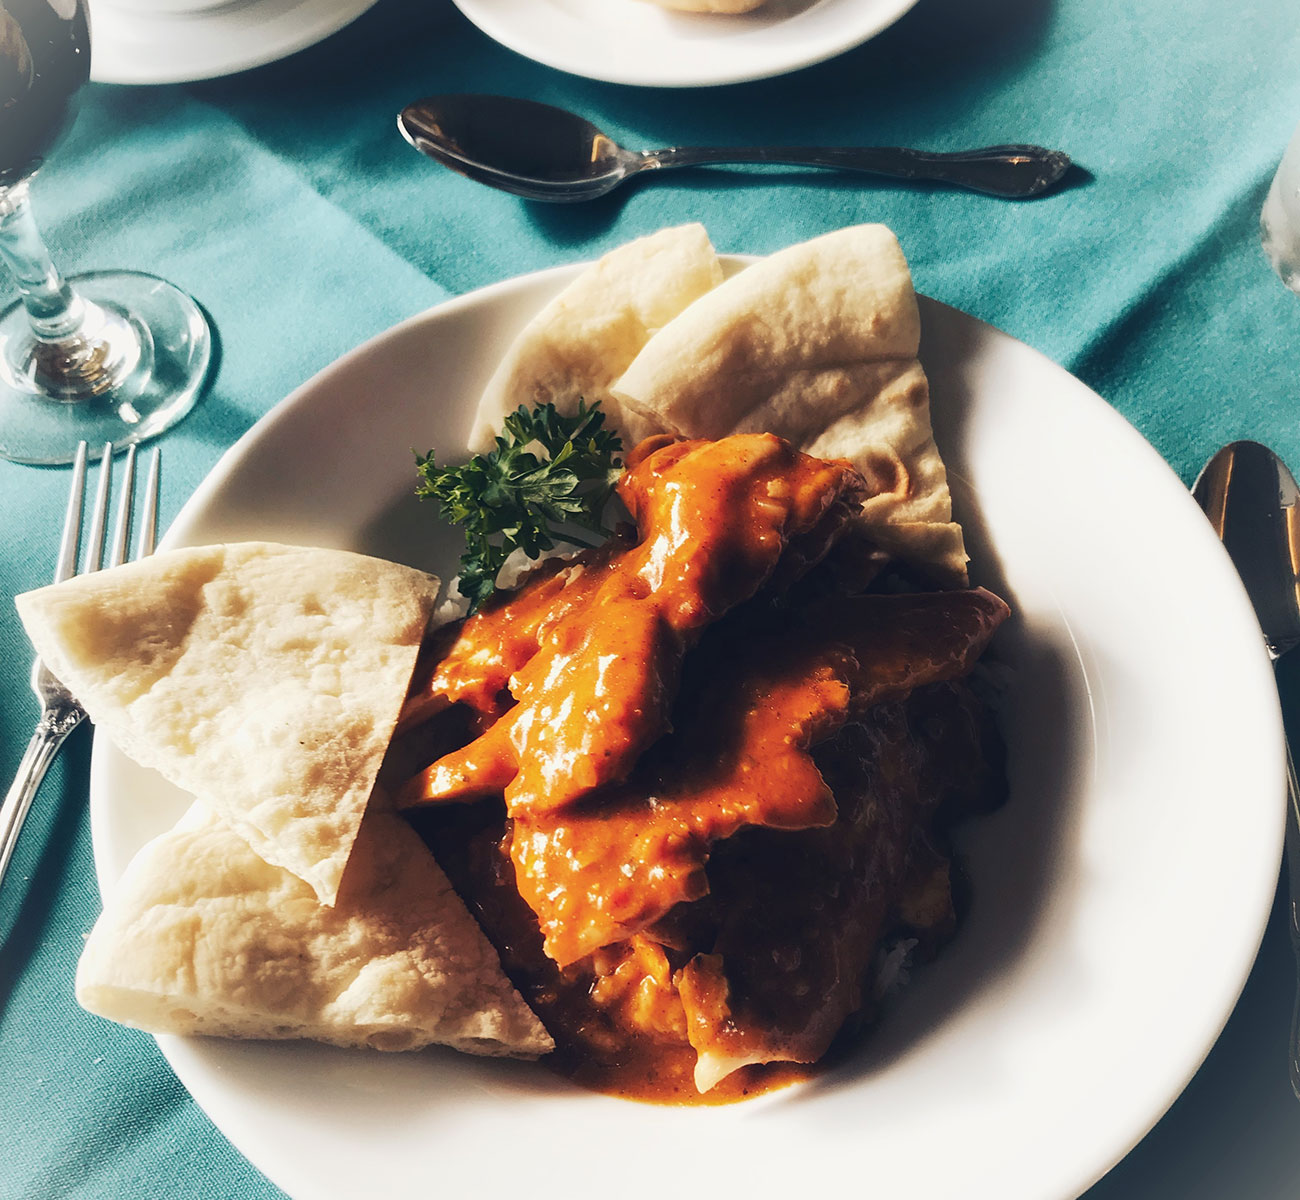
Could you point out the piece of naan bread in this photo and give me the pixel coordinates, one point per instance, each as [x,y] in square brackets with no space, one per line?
[201,936]
[817,344]
[584,339]
[265,678]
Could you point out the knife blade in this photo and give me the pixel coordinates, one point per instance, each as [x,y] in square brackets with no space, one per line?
[1253,502]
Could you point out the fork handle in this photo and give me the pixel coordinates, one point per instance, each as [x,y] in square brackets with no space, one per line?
[51,731]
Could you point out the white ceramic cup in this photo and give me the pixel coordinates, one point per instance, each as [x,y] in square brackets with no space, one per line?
[1279,222]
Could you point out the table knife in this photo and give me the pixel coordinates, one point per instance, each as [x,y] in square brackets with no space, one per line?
[1251,500]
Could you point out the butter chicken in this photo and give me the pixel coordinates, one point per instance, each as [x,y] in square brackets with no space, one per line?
[702,776]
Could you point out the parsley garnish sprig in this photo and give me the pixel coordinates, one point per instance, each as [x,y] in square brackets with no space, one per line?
[511,498]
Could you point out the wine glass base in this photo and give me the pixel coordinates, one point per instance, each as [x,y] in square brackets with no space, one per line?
[157,387]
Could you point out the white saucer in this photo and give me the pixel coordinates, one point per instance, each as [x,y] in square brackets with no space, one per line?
[628,41]
[132,46]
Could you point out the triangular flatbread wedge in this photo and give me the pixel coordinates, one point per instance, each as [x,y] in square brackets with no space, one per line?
[201,936]
[817,344]
[582,341]
[264,678]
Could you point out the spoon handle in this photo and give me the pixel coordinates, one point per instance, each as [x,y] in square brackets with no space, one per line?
[1013,172]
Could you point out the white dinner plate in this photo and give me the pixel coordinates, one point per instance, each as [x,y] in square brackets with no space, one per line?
[1118,898]
[631,41]
[134,45]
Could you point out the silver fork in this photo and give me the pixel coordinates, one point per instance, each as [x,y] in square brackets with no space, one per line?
[60,712]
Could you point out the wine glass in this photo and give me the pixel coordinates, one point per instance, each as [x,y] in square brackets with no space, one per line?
[108,356]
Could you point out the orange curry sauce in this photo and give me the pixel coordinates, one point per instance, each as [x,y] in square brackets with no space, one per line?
[696,785]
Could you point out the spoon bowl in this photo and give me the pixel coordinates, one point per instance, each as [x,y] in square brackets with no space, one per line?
[545,153]
[520,146]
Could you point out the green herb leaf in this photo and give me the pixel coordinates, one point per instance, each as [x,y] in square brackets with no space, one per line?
[546,471]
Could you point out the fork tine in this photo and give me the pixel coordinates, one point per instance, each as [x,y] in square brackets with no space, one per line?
[99,518]
[122,528]
[67,564]
[149,517]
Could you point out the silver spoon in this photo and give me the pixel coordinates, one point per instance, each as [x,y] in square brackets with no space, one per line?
[1254,505]
[546,153]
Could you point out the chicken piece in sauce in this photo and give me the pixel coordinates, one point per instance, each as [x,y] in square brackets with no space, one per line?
[601,871]
[594,674]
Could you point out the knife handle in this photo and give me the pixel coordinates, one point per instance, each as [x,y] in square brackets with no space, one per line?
[1293,876]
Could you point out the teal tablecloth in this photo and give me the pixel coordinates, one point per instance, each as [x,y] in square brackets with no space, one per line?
[285,201]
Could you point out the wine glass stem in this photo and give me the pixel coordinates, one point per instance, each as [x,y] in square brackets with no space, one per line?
[74,351]
[56,311]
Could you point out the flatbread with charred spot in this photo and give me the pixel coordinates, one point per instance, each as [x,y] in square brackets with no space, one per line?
[817,344]
[265,678]
[201,936]
[584,339]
